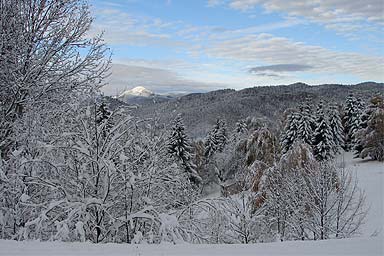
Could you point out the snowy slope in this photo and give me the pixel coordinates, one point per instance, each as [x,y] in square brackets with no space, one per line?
[370,175]
[371,179]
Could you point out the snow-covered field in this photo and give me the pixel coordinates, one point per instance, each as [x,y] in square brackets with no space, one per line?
[370,175]
[361,247]
[371,179]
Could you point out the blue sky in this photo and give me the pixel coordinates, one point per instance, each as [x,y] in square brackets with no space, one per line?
[201,45]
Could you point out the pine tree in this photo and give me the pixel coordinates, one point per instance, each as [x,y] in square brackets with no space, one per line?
[180,148]
[241,127]
[240,130]
[323,138]
[306,124]
[222,137]
[210,143]
[103,117]
[336,128]
[290,133]
[370,137]
[351,120]
[363,124]
[216,138]
[102,113]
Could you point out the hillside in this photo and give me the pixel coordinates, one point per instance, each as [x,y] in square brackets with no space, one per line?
[200,110]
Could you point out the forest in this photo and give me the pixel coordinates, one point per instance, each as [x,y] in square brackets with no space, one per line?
[74,169]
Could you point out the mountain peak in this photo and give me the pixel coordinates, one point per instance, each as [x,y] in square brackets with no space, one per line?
[138,91]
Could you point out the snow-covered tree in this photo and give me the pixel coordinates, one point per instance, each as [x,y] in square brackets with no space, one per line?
[285,198]
[179,146]
[323,142]
[222,136]
[351,120]
[337,129]
[305,199]
[241,126]
[306,124]
[336,204]
[290,132]
[261,146]
[370,137]
[46,56]
[151,186]
[216,138]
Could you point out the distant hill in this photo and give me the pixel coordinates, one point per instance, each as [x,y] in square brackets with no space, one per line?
[200,110]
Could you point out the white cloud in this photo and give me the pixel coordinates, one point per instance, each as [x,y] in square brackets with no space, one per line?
[159,80]
[122,28]
[212,3]
[272,50]
[343,16]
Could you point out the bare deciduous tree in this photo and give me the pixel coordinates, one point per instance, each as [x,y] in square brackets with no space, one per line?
[45,54]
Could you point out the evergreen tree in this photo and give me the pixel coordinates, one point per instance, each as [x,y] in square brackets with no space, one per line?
[370,137]
[323,138]
[180,148]
[216,139]
[222,137]
[351,120]
[306,124]
[102,113]
[241,127]
[290,133]
[103,117]
[240,131]
[336,128]
[363,124]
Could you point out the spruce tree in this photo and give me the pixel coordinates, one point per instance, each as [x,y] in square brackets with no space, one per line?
[336,128]
[222,137]
[323,138]
[370,137]
[363,124]
[306,124]
[216,139]
[179,147]
[351,121]
[241,127]
[290,133]
[103,117]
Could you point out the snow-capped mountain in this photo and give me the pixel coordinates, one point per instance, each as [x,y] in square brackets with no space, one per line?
[138,91]
[141,95]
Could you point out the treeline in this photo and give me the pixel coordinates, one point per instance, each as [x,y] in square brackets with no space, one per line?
[200,111]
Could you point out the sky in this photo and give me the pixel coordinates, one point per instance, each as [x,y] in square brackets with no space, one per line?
[183,46]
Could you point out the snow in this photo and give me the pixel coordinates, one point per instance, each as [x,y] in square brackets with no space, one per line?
[370,175]
[371,179]
[356,246]
[139,91]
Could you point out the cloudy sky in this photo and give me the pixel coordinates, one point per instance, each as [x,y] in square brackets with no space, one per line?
[201,45]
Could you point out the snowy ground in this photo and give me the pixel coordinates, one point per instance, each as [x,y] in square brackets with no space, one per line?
[371,179]
[370,175]
[362,246]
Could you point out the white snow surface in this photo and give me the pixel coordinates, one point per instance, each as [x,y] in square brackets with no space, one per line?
[370,175]
[356,246]
[371,179]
